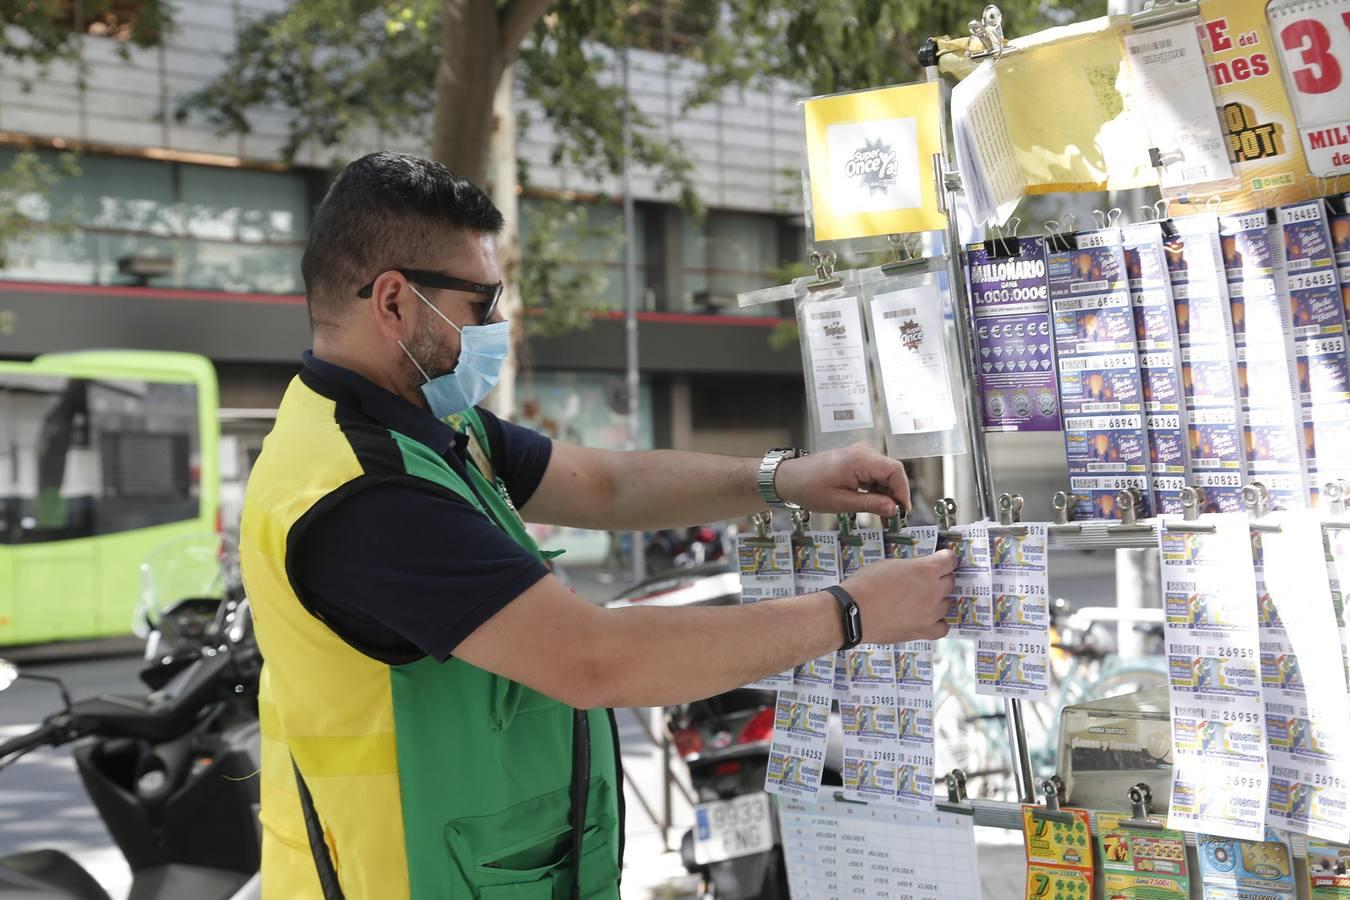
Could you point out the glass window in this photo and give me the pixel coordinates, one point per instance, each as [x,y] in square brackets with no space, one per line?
[582,239]
[135,221]
[82,457]
[728,253]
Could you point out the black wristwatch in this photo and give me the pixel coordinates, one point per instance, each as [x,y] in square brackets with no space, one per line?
[852,617]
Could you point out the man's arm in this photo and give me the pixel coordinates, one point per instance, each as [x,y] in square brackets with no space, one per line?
[588,657]
[623,490]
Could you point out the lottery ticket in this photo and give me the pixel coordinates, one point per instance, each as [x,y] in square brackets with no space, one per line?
[1328,870]
[1059,853]
[1014,660]
[1100,388]
[1011,300]
[765,564]
[970,608]
[797,756]
[871,746]
[914,687]
[1208,360]
[1253,255]
[1142,863]
[815,566]
[1302,681]
[867,667]
[1262,868]
[1317,309]
[1155,325]
[1340,245]
[1219,779]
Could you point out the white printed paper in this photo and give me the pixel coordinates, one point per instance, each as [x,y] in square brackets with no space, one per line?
[800,729]
[766,573]
[1172,95]
[1219,778]
[815,565]
[833,333]
[970,609]
[914,688]
[1313,37]
[840,849]
[1303,682]
[1014,660]
[985,155]
[907,326]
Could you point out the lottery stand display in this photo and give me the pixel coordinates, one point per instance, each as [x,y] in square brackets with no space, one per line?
[1188,359]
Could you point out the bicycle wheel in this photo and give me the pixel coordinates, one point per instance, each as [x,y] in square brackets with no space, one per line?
[962,740]
[1126,681]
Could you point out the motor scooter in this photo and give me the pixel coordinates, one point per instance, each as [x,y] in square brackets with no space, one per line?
[724,741]
[172,773]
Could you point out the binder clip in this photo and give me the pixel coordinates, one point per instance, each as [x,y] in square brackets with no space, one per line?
[907,249]
[1053,790]
[1062,503]
[895,525]
[1141,807]
[823,263]
[1061,234]
[944,512]
[1107,218]
[1256,500]
[1192,501]
[957,800]
[1334,494]
[761,521]
[1001,246]
[1128,503]
[800,519]
[1009,516]
[988,30]
[846,522]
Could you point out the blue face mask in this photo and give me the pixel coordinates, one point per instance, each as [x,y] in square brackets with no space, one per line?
[482,350]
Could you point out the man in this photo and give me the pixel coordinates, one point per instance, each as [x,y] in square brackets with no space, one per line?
[434,703]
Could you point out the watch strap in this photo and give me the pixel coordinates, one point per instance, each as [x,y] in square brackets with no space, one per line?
[768,472]
[852,616]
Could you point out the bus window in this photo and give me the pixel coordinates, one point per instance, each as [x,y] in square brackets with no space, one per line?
[84,457]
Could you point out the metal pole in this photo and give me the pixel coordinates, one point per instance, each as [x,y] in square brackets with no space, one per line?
[630,294]
[948,185]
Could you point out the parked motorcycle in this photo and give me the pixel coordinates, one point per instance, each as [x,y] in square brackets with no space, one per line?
[724,741]
[172,773]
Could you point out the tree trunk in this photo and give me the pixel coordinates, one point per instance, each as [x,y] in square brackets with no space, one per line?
[467,76]
[504,186]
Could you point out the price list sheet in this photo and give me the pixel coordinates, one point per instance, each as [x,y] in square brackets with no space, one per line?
[834,848]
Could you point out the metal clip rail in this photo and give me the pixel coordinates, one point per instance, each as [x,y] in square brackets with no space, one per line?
[1192,500]
[1009,516]
[957,801]
[1053,790]
[1141,807]
[1129,502]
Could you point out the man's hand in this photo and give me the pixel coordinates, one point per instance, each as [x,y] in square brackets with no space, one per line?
[904,599]
[834,482]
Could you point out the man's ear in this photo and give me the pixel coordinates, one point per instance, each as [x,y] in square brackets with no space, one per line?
[389,298]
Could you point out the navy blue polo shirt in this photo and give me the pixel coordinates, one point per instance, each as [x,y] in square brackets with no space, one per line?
[401,573]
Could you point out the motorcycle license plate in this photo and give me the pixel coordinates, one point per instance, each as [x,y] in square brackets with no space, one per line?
[733,828]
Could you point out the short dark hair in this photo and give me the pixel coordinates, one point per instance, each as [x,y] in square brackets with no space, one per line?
[385,211]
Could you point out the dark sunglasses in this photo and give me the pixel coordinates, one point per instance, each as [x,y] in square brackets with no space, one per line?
[492,292]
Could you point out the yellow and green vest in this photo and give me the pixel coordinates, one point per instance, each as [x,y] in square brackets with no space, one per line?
[428,780]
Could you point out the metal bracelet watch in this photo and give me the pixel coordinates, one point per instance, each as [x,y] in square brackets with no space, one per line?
[852,617]
[768,470]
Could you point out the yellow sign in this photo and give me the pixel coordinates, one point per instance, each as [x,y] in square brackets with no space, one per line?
[870,158]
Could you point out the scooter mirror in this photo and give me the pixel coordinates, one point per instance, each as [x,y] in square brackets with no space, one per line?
[9,673]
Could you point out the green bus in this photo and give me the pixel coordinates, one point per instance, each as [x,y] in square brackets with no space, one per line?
[104,456]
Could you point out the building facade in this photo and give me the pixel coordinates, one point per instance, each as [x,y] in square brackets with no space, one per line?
[172,236]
